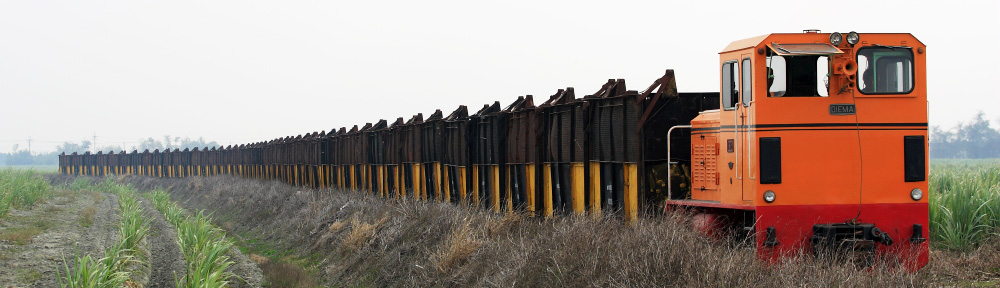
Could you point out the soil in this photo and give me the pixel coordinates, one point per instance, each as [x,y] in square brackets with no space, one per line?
[166,260]
[249,275]
[40,261]
[37,259]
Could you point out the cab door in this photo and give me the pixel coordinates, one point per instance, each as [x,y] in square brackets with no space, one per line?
[730,119]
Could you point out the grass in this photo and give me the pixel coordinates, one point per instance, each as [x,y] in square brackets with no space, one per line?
[120,258]
[87,272]
[964,203]
[411,247]
[20,235]
[29,276]
[280,268]
[87,216]
[360,233]
[458,247]
[283,274]
[37,168]
[203,245]
[21,189]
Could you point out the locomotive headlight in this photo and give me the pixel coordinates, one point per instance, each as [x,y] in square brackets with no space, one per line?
[836,38]
[916,194]
[769,196]
[853,38]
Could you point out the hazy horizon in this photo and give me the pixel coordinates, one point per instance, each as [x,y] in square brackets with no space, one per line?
[238,72]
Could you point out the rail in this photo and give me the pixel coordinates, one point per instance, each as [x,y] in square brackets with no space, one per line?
[670,165]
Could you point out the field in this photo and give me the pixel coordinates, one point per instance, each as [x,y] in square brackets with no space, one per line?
[965,202]
[92,232]
[38,168]
[308,238]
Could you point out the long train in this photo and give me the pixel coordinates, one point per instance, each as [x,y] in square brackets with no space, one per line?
[570,154]
[797,149]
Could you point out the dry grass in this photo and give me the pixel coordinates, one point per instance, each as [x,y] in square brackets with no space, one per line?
[352,239]
[459,246]
[336,226]
[284,274]
[97,196]
[87,216]
[360,233]
[19,235]
[258,259]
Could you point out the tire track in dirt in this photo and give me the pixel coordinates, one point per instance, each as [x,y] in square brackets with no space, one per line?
[42,258]
[165,257]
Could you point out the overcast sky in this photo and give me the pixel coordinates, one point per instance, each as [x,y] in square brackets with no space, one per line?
[243,71]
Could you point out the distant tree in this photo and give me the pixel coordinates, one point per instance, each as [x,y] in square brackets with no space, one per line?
[200,142]
[978,139]
[149,144]
[941,143]
[173,143]
[109,148]
[70,147]
[23,157]
[975,139]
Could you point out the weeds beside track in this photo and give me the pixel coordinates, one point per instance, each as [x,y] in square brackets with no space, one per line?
[204,246]
[21,189]
[964,203]
[350,239]
[121,258]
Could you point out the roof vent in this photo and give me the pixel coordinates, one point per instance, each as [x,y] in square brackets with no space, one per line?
[811,31]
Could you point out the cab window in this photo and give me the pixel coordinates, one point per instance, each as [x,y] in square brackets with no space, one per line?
[730,92]
[798,76]
[747,83]
[885,70]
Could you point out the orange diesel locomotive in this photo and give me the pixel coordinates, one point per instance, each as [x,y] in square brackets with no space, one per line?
[820,141]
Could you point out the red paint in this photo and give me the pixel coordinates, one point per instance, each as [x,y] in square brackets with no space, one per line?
[706,204]
[794,227]
[711,225]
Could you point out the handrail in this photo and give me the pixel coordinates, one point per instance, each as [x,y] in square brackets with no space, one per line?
[670,166]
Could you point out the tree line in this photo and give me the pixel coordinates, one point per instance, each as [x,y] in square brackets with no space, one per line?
[19,156]
[975,139]
[972,140]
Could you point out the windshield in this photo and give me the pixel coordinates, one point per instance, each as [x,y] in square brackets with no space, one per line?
[885,70]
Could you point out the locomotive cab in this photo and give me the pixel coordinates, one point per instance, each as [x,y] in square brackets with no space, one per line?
[819,142]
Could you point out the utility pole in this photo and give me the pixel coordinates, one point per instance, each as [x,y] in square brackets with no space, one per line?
[93,144]
[29,145]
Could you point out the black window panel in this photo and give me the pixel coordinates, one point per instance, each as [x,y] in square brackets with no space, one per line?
[770,160]
[801,76]
[913,158]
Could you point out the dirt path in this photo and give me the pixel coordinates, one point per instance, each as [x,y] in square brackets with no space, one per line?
[167,261]
[165,258]
[35,242]
[245,269]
